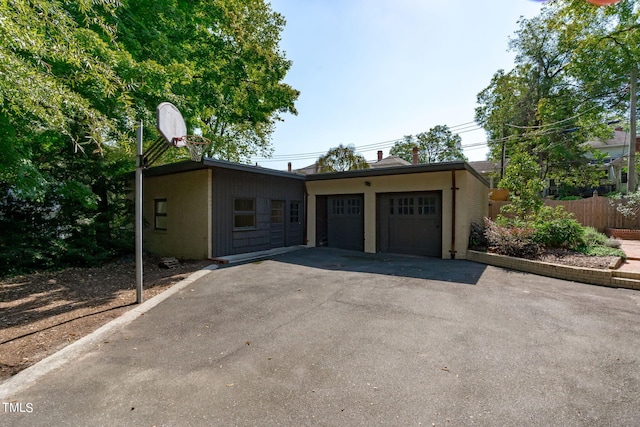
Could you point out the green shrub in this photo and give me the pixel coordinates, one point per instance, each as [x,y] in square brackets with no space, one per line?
[602,251]
[559,233]
[595,243]
[593,237]
[555,228]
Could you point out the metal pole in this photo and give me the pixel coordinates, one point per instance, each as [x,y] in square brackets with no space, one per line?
[503,152]
[631,176]
[139,167]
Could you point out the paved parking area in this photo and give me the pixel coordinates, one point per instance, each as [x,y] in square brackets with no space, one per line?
[329,337]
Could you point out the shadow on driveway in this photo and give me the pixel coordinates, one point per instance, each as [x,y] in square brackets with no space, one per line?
[459,271]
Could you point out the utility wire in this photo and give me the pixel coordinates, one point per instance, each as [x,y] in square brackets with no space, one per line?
[463,128]
[621,91]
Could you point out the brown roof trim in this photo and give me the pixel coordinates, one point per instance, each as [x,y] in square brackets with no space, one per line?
[399,170]
[222,164]
[188,166]
[173,168]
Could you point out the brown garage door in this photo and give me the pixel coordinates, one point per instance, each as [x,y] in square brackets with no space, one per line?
[410,223]
[345,221]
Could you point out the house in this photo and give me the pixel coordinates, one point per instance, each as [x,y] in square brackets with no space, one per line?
[489,170]
[416,209]
[214,208]
[616,153]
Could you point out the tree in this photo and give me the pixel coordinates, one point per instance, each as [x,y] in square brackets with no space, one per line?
[439,144]
[340,159]
[219,61]
[79,75]
[59,67]
[542,108]
[525,186]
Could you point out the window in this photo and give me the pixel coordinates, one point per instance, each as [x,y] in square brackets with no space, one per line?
[353,206]
[277,212]
[244,213]
[160,214]
[346,207]
[426,205]
[338,206]
[294,215]
[405,206]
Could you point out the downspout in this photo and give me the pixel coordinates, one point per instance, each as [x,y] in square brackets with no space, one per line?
[453,214]
[305,239]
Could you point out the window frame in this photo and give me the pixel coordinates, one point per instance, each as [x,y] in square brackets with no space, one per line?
[244,213]
[294,211]
[278,210]
[159,213]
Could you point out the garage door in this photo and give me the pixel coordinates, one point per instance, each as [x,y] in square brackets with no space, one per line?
[345,222]
[410,223]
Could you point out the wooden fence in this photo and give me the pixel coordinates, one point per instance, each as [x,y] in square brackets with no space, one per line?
[594,211]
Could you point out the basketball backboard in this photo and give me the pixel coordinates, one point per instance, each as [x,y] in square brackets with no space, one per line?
[171,125]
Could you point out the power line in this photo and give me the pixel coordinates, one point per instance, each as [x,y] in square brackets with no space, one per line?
[621,91]
[463,128]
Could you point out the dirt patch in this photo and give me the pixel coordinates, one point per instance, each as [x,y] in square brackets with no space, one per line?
[574,259]
[43,312]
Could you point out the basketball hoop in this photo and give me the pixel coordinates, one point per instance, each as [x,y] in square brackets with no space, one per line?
[196,144]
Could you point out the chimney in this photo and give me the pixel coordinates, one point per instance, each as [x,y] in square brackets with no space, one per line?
[379,155]
[415,155]
[289,167]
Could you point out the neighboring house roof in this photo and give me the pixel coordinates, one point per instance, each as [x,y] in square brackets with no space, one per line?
[485,167]
[388,162]
[620,138]
[307,169]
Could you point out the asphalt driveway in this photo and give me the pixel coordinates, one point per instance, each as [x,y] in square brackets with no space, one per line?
[330,337]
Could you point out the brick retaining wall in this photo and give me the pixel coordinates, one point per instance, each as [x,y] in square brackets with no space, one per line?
[577,274]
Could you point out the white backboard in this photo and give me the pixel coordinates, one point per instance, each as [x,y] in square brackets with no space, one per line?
[171,125]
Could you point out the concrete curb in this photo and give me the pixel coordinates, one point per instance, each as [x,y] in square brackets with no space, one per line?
[29,376]
[256,256]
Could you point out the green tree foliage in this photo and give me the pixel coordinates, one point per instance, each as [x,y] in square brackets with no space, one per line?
[437,145]
[522,180]
[340,159]
[77,76]
[219,62]
[59,76]
[569,80]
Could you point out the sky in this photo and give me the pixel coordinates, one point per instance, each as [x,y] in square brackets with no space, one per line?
[372,71]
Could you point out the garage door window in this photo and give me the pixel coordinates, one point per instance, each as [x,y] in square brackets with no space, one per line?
[426,205]
[353,206]
[346,207]
[405,206]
